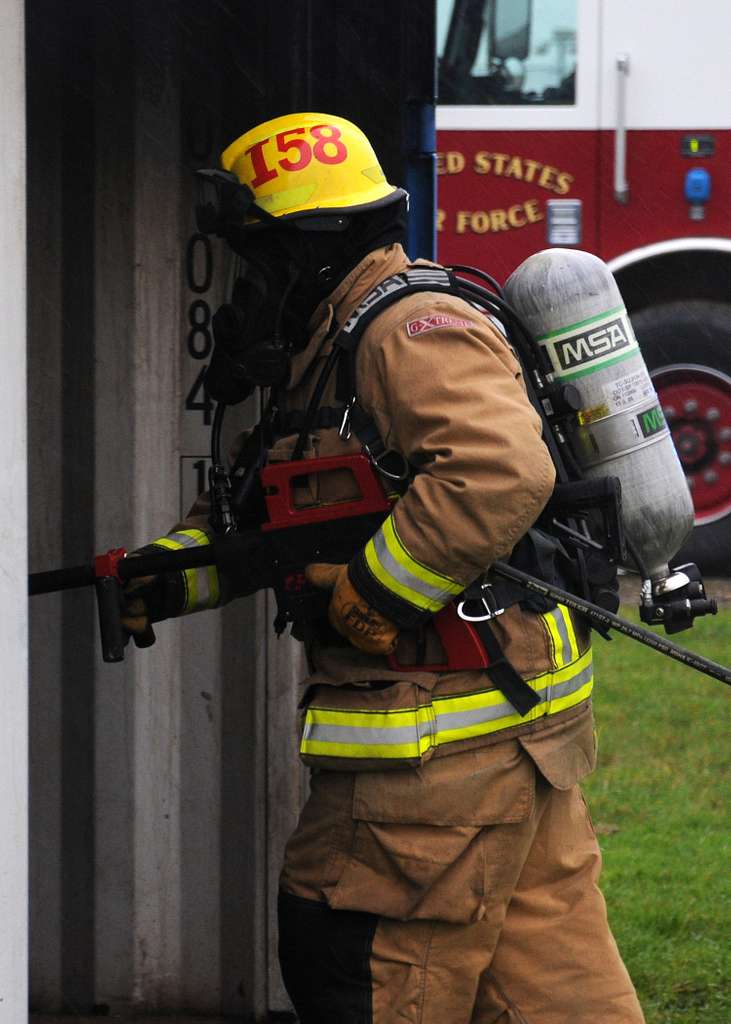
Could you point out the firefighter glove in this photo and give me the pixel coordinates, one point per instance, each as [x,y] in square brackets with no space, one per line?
[350,614]
[148,599]
[135,609]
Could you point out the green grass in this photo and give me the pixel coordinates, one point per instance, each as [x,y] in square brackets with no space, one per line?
[659,802]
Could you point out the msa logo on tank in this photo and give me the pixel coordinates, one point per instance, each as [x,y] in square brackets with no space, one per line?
[591,344]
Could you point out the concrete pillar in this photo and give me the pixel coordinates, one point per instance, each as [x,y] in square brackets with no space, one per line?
[45,531]
[163,788]
[13,558]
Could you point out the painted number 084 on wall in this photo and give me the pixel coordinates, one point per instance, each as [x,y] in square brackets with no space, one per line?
[327,148]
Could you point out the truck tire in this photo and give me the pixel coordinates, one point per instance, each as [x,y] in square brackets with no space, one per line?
[687,348]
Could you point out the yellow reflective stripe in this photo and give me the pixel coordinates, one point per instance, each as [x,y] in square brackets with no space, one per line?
[566,614]
[198,536]
[191,585]
[564,646]
[184,539]
[214,590]
[571,700]
[165,542]
[390,727]
[195,579]
[563,674]
[550,706]
[554,638]
[481,699]
[398,571]
[391,583]
[409,732]
[371,719]
[422,572]
[494,698]
[376,751]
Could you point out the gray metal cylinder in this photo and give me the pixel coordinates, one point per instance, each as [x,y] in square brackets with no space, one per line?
[570,302]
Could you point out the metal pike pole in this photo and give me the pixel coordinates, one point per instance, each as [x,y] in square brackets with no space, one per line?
[609,620]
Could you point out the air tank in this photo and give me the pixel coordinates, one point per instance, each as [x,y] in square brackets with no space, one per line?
[570,302]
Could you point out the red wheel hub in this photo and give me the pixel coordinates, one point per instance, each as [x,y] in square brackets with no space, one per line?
[696,401]
[692,444]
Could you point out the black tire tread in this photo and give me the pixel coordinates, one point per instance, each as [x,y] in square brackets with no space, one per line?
[698,332]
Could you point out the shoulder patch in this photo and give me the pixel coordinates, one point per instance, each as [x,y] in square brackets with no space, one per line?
[432,323]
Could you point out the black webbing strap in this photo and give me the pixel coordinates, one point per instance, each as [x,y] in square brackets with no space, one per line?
[389,462]
[325,418]
[319,390]
[503,674]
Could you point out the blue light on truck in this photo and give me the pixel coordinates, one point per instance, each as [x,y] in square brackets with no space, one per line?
[698,185]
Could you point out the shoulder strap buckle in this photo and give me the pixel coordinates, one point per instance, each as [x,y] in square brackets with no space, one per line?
[346,426]
[480,594]
[380,462]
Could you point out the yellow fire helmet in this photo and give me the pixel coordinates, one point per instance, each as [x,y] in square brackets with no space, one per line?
[309,164]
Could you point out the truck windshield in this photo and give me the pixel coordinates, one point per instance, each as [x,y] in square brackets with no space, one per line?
[507,52]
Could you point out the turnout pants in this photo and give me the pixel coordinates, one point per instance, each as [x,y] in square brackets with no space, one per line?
[473,922]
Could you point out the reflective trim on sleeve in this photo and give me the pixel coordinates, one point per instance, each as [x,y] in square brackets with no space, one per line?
[408,733]
[403,575]
[202,589]
[563,637]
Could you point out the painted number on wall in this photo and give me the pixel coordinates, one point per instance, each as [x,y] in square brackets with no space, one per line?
[193,480]
[199,341]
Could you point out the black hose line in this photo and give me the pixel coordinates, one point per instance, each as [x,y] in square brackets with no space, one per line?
[608,620]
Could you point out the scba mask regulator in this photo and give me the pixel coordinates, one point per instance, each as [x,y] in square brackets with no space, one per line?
[570,303]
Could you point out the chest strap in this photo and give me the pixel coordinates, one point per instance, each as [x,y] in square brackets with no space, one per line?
[343,357]
[325,418]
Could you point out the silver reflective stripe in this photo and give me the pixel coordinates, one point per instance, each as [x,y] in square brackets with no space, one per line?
[447,721]
[569,686]
[364,737]
[428,275]
[186,541]
[566,652]
[402,575]
[498,324]
[203,595]
[450,720]
[199,584]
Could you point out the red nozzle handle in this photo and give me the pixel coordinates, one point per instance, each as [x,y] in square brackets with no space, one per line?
[107,565]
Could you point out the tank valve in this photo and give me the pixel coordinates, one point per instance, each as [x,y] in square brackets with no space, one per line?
[676,600]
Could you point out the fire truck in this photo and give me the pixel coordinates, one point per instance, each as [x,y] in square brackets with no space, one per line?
[605,125]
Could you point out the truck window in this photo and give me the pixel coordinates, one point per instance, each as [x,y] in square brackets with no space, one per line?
[507,52]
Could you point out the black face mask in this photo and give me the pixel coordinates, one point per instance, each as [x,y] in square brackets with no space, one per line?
[286,272]
[256,332]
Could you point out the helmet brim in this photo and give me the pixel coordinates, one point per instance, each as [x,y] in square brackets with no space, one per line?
[321,211]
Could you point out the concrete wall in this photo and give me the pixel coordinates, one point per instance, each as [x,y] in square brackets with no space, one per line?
[13,530]
[162,788]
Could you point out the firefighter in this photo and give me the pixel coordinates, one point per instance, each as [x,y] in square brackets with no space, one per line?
[444,869]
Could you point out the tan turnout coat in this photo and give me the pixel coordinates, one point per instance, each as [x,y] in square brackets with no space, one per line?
[445,389]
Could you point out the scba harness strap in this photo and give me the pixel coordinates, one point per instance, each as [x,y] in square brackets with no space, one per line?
[393,289]
[346,340]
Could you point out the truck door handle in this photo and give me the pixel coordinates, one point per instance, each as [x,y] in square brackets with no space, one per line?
[621,185]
